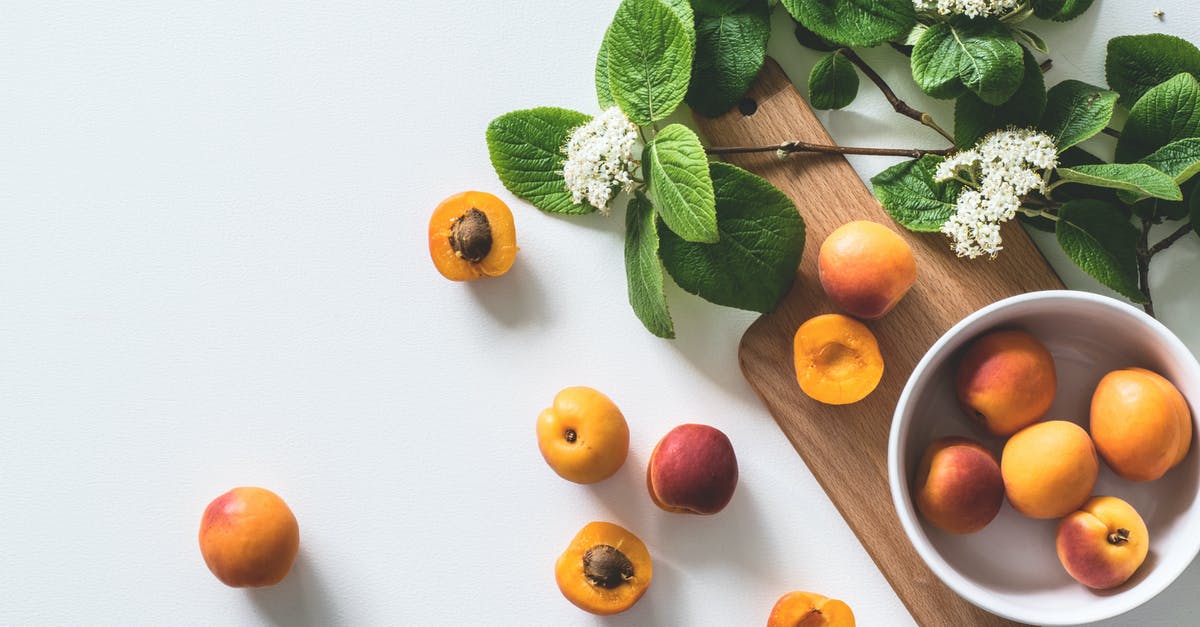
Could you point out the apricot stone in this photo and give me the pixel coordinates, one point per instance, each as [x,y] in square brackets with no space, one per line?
[249,538]
[959,487]
[809,609]
[1006,380]
[1141,423]
[1049,469]
[1103,543]
[866,268]
[692,470]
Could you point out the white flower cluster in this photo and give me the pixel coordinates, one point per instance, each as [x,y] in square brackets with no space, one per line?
[1003,168]
[600,159]
[969,8]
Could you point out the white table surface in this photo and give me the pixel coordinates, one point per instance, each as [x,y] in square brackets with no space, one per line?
[214,273]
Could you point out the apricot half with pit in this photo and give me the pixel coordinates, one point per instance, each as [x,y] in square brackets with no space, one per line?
[1006,380]
[1141,423]
[1049,469]
[605,569]
[472,236]
[809,609]
[837,359]
[582,435]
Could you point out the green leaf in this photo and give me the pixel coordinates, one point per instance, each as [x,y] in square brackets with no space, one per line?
[1180,160]
[643,270]
[682,10]
[717,7]
[1137,63]
[833,83]
[1060,10]
[730,49]
[526,148]
[1168,112]
[762,239]
[978,54]
[909,194]
[650,51]
[1139,178]
[1101,241]
[604,95]
[678,182]
[1076,111]
[974,118]
[1035,41]
[855,22]
[812,41]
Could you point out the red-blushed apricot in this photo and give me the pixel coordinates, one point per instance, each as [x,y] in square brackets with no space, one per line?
[472,236]
[249,538]
[583,436]
[1049,469]
[866,268]
[809,609]
[692,470]
[1141,423]
[837,359]
[605,569]
[1006,380]
[959,487]
[1103,543]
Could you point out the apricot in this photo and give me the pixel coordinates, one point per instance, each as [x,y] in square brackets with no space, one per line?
[583,436]
[692,470]
[1141,423]
[249,538]
[472,236]
[605,569]
[866,268]
[1103,543]
[808,609]
[1006,380]
[959,487]
[837,359]
[1049,469]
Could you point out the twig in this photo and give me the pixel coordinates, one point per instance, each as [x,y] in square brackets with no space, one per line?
[799,146]
[1143,264]
[1111,132]
[1046,65]
[899,105]
[1170,239]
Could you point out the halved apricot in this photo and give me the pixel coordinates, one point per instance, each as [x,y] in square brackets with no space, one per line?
[809,609]
[837,359]
[472,236]
[605,570]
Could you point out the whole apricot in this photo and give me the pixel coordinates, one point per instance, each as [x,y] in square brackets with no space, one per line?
[1141,423]
[1049,469]
[959,487]
[472,236]
[837,359]
[1006,380]
[249,538]
[808,609]
[1103,543]
[866,268]
[583,436]
[605,569]
[692,470]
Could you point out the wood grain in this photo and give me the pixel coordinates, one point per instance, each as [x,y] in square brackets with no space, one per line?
[846,447]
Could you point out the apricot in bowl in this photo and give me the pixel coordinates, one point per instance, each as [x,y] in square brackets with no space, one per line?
[1011,567]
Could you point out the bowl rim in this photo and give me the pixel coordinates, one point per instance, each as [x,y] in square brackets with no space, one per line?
[1115,605]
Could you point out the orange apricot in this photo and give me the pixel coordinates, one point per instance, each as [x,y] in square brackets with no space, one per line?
[583,436]
[1141,423]
[1006,380]
[837,359]
[1049,469]
[808,609]
[472,236]
[249,538]
[866,268]
[605,569]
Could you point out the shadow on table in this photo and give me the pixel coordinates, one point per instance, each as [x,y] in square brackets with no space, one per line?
[300,600]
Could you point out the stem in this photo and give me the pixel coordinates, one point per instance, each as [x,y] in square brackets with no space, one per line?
[1111,132]
[799,146]
[1143,264]
[1119,536]
[1170,239]
[899,105]
[1046,65]
[1039,213]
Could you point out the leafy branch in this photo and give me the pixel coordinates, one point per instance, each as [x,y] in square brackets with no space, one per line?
[791,147]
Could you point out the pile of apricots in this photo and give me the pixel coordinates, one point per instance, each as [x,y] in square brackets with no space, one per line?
[1139,424]
[865,269]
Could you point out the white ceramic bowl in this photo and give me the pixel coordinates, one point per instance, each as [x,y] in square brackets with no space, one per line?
[1010,568]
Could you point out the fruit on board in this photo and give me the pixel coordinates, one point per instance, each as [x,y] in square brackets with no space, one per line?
[866,268]
[959,487]
[1103,543]
[605,569]
[837,359]
[1141,423]
[582,435]
[808,609]
[692,470]
[1049,469]
[472,236]
[1006,380]
[249,538]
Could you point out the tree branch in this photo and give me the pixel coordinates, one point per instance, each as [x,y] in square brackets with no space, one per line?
[1170,239]
[899,105]
[799,146]
[1143,264]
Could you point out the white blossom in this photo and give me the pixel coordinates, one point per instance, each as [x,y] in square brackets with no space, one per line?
[1005,166]
[600,159]
[969,8]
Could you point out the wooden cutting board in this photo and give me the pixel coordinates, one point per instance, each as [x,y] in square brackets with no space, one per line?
[845,447]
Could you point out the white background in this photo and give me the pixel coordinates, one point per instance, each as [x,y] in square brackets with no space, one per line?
[214,273]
